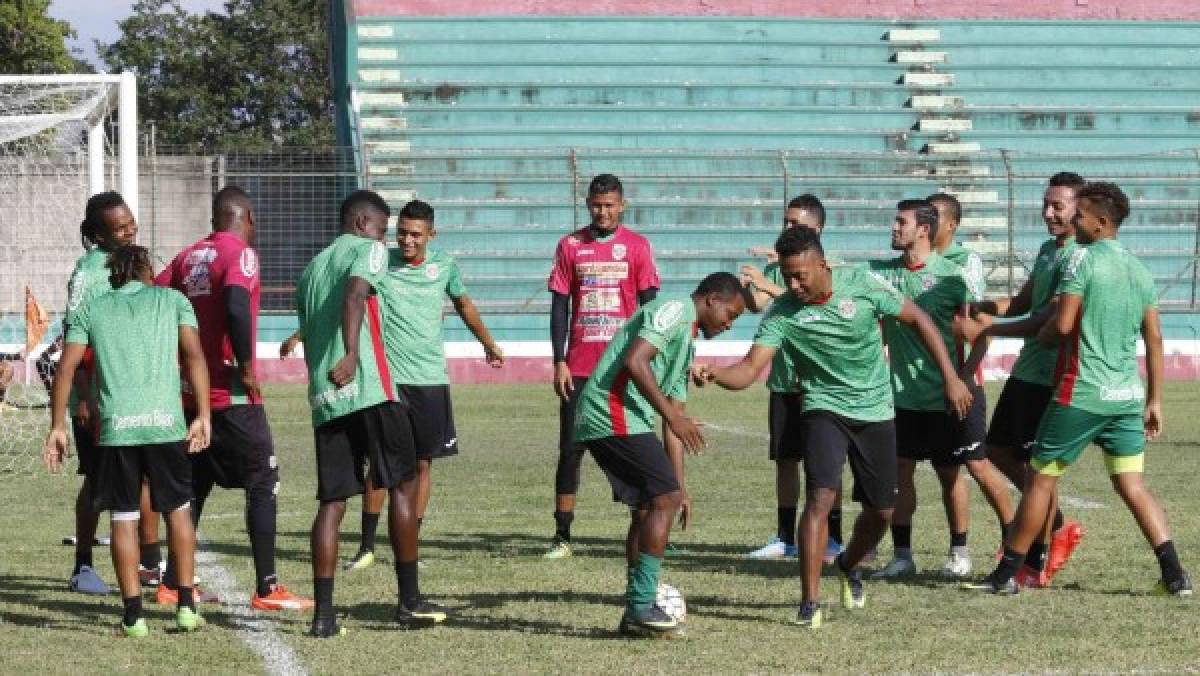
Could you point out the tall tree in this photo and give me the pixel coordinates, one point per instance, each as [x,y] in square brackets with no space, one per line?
[34,43]
[254,77]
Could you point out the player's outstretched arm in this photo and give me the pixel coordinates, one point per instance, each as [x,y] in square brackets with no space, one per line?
[1007,307]
[762,291]
[194,369]
[958,396]
[466,309]
[56,441]
[288,346]
[674,449]
[741,375]
[1152,336]
[986,326]
[354,307]
[637,363]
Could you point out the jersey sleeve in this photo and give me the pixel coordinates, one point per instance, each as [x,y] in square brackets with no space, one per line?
[76,289]
[645,274]
[184,310]
[454,284]
[773,274]
[1076,273]
[663,324]
[886,298]
[562,274]
[370,262]
[244,271]
[772,330]
[78,324]
[973,274]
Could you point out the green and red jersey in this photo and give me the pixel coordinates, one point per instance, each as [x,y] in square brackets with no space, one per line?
[1035,363]
[412,316]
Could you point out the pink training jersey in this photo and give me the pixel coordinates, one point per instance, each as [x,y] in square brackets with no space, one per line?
[603,279]
[202,272]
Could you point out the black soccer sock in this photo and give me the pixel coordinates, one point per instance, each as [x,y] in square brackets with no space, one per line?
[83,557]
[186,598]
[1007,529]
[902,536]
[1168,561]
[420,522]
[835,525]
[151,555]
[169,578]
[1059,520]
[323,597]
[562,525]
[786,517]
[406,583]
[1007,568]
[958,539]
[1036,558]
[370,524]
[260,524]
[133,610]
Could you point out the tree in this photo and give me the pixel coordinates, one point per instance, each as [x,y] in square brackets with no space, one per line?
[254,77]
[33,43]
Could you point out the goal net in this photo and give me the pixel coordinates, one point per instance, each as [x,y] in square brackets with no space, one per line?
[57,148]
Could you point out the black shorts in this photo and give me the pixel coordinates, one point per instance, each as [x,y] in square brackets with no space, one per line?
[783,419]
[85,448]
[432,419]
[566,419]
[637,466]
[940,437]
[377,440]
[117,483]
[871,447]
[241,454]
[1018,414]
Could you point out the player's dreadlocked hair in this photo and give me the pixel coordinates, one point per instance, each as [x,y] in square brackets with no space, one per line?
[93,217]
[127,263]
[1108,199]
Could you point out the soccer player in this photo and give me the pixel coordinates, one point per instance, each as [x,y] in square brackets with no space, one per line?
[601,274]
[412,291]
[1105,299]
[1029,388]
[359,420]
[219,275]
[138,333]
[924,430]
[828,322]
[643,375]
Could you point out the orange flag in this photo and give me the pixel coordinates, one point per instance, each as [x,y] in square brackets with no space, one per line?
[36,321]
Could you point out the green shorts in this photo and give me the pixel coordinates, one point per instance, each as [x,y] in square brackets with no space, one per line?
[1065,432]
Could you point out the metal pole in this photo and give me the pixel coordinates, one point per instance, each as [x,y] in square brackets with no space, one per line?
[1196,249]
[127,140]
[95,141]
[1012,240]
[783,158]
[574,160]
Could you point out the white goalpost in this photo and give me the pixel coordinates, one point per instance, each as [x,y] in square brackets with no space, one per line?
[57,148]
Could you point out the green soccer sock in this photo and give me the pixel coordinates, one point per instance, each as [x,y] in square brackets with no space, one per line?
[641,587]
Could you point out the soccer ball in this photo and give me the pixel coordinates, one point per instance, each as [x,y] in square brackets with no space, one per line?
[671,601]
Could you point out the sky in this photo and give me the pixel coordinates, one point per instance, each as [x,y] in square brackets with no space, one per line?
[97,20]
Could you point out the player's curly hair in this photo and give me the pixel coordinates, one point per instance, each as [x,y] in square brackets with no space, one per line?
[1106,198]
[126,263]
[93,226]
[795,241]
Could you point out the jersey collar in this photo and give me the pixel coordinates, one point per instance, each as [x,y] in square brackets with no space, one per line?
[132,286]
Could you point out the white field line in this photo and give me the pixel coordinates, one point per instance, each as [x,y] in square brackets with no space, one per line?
[1067,500]
[256,632]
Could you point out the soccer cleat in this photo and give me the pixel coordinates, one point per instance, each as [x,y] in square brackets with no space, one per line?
[1062,545]
[325,627]
[151,577]
[1029,578]
[559,549]
[423,614]
[649,622]
[957,566]
[990,585]
[280,599]
[896,569]
[363,559]
[165,596]
[136,630]
[187,619]
[87,581]
[853,594]
[1181,588]
[832,549]
[809,615]
[774,549]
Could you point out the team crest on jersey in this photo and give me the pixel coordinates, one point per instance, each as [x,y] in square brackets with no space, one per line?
[248,261]
[431,271]
[378,257]
[927,282]
[848,308]
[668,315]
[618,251]
[573,241]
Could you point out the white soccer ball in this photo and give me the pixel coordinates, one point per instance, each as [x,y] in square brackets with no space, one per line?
[671,601]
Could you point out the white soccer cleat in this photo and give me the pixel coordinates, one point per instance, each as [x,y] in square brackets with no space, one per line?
[957,566]
[774,549]
[896,568]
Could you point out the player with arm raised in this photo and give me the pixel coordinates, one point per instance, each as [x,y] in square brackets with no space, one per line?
[641,376]
[601,274]
[139,333]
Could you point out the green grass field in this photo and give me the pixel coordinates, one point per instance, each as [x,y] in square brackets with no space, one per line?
[490,520]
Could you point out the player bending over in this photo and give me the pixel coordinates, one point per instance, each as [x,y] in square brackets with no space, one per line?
[138,333]
[643,375]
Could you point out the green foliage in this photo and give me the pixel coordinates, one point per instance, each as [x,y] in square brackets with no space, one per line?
[254,77]
[33,43]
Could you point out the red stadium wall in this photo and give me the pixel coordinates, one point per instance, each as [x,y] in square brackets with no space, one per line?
[862,9]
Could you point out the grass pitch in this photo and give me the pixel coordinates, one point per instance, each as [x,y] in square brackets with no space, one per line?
[490,520]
